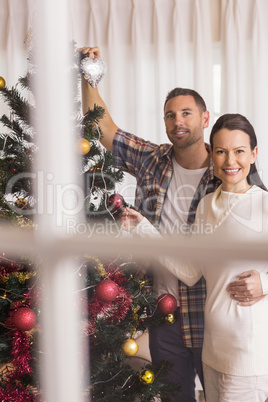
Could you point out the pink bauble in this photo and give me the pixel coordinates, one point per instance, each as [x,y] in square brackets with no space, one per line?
[107,290]
[166,303]
[116,203]
[24,319]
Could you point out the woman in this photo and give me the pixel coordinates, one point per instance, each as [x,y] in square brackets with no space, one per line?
[235,350]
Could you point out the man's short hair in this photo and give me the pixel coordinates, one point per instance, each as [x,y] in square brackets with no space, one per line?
[200,103]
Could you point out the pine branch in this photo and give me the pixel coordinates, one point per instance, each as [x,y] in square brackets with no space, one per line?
[26,82]
[12,125]
[94,115]
[19,105]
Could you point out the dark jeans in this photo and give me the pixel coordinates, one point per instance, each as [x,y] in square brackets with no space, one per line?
[166,343]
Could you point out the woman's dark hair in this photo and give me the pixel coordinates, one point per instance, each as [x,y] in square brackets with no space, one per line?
[239,122]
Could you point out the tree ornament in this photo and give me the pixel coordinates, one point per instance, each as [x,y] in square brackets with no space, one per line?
[146,376]
[83,146]
[107,290]
[2,83]
[24,319]
[116,203]
[170,319]
[21,203]
[130,347]
[166,303]
[93,70]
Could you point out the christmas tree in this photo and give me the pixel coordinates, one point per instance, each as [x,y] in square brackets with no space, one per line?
[117,301]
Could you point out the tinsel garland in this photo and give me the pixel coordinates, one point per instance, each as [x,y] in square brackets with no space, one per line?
[20,346]
[15,394]
[21,276]
[8,267]
[22,354]
[21,350]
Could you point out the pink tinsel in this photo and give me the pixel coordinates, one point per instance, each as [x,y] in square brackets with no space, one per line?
[15,395]
[20,357]
[21,350]
[22,353]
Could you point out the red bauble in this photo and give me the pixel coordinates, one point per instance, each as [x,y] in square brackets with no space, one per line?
[107,290]
[116,203]
[166,303]
[24,319]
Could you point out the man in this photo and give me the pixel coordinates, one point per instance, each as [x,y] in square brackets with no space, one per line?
[171,180]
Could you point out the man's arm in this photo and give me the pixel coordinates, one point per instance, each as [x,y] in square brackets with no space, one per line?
[91,97]
[132,221]
[250,287]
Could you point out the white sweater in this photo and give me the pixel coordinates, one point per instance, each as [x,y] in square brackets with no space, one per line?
[236,337]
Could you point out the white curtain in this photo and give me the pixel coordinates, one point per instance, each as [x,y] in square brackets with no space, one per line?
[152,46]
[16,17]
[244,38]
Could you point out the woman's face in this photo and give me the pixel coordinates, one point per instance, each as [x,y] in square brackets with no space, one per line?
[232,157]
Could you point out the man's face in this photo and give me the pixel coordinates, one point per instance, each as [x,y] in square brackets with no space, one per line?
[184,121]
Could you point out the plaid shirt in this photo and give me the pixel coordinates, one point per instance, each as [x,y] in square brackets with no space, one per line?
[151,165]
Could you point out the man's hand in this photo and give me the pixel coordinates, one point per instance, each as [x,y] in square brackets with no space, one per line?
[92,52]
[247,290]
[130,218]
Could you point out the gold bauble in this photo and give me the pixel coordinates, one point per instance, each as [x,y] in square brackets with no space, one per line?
[130,347]
[2,83]
[83,146]
[146,376]
[170,319]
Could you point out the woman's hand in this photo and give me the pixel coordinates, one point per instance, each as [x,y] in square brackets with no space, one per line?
[130,218]
[247,290]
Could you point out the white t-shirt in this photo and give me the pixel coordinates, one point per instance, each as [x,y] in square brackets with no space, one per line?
[174,217]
